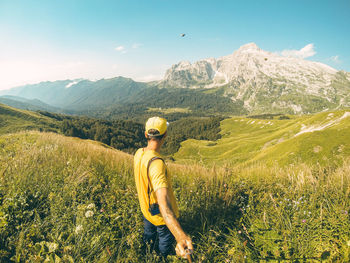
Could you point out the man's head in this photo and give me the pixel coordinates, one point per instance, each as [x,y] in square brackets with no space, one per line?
[156,128]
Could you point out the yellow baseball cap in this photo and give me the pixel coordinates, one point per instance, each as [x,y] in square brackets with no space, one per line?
[157,123]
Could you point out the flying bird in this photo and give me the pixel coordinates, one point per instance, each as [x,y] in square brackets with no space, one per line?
[182,35]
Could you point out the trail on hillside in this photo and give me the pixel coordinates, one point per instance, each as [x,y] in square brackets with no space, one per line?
[305,129]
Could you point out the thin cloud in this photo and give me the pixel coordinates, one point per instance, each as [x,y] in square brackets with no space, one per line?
[136,45]
[335,59]
[120,48]
[305,52]
[148,78]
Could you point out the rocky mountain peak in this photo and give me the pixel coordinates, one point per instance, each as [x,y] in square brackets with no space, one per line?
[262,79]
[249,48]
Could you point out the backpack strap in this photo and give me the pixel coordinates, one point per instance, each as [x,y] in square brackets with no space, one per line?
[149,191]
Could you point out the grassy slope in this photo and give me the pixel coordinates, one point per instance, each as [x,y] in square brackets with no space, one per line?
[12,120]
[49,182]
[247,140]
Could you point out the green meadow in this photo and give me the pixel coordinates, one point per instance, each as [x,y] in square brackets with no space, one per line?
[322,138]
[269,190]
[170,110]
[64,199]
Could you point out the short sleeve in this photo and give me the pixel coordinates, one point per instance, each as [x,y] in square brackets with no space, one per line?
[157,174]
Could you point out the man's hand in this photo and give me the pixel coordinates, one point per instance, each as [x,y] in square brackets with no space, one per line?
[184,243]
[184,247]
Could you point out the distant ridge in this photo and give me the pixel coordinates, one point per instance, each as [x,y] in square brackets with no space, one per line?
[79,94]
[26,104]
[254,80]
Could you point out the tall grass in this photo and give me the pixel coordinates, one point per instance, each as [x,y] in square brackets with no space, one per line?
[69,200]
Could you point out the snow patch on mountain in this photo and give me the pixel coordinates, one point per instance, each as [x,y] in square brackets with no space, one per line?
[72,83]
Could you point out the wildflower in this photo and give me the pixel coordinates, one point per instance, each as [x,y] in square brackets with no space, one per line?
[78,229]
[51,195]
[303,221]
[225,185]
[67,249]
[51,246]
[89,213]
[231,251]
[91,206]
[102,210]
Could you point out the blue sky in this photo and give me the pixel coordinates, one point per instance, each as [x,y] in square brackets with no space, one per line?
[65,39]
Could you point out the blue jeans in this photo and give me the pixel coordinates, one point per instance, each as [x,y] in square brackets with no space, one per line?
[166,238]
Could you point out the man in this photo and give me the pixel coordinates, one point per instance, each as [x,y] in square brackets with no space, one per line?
[156,196]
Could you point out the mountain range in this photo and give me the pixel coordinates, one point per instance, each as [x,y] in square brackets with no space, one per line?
[250,80]
[265,81]
[79,93]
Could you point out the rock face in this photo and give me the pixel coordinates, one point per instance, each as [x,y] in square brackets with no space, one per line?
[266,82]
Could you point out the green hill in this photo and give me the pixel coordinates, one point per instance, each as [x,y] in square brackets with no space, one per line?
[124,135]
[64,199]
[12,120]
[318,138]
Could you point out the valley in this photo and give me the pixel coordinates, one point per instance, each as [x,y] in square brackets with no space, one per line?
[258,148]
[322,138]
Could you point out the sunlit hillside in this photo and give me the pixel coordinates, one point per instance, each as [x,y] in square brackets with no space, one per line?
[12,120]
[321,138]
[64,199]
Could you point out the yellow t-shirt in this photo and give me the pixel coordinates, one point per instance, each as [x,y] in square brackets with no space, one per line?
[159,176]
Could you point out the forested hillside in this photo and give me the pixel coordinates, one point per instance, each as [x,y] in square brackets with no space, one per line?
[122,98]
[129,136]
[124,135]
[198,103]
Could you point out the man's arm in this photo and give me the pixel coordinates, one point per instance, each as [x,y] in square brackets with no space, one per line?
[184,242]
